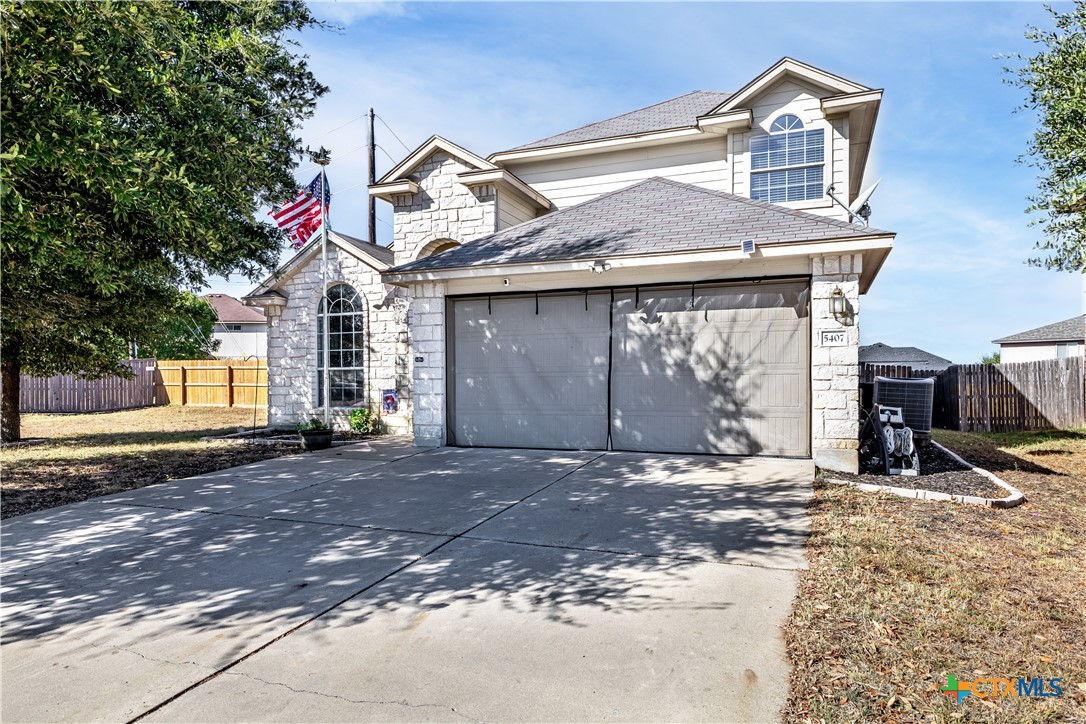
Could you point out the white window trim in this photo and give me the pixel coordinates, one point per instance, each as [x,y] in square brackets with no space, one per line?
[317,383]
[827,164]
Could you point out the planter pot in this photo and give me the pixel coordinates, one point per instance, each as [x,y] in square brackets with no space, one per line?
[316,439]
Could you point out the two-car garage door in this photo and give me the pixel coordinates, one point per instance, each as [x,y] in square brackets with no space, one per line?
[707,368]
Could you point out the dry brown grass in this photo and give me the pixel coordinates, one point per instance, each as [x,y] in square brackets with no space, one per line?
[902,593]
[96,454]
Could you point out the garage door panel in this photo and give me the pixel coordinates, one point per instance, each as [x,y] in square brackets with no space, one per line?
[722,370]
[522,379]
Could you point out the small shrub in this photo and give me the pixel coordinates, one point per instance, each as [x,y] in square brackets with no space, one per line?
[311,425]
[363,421]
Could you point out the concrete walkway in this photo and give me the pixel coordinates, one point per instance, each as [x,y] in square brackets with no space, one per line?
[382,582]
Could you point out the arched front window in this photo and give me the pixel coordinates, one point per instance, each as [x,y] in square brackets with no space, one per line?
[787,164]
[345,316]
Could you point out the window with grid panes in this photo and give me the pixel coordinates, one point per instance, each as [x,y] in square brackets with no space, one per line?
[787,164]
[345,317]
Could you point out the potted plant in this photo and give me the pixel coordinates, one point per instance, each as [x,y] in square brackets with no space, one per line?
[315,435]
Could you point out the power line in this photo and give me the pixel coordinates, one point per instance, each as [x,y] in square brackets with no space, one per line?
[339,127]
[382,120]
[390,158]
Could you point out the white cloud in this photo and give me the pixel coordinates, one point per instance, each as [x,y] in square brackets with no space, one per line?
[348,12]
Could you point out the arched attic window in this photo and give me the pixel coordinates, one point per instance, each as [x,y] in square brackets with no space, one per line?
[346,316]
[787,164]
[437,246]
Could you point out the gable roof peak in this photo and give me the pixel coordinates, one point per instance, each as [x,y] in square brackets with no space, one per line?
[430,146]
[788,66]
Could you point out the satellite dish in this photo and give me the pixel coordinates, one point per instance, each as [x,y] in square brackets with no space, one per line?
[859,207]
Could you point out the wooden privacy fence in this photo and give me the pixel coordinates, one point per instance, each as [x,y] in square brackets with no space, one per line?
[213,382]
[1020,396]
[70,393]
[1004,397]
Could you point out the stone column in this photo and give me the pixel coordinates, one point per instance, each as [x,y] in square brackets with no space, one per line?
[426,322]
[835,368]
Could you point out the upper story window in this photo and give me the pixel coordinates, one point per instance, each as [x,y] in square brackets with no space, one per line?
[787,164]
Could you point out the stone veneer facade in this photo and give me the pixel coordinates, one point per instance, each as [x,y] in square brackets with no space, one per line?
[442,210]
[292,342]
[835,370]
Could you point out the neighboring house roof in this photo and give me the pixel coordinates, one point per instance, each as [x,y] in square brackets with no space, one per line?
[680,112]
[231,311]
[880,353]
[655,216]
[1069,330]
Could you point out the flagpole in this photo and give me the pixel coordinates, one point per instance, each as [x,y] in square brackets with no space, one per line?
[323,162]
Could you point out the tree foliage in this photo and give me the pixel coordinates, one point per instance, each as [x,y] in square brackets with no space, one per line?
[990,359]
[139,140]
[184,331]
[1055,83]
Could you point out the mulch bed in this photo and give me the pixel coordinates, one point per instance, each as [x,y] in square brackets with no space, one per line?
[285,437]
[938,472]
[38,486]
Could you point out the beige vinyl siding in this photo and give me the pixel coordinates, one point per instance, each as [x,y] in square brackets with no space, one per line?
[740,164]
[512,210]
[570,181]
[839,164]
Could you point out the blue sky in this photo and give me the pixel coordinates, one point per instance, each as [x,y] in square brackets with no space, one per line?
[490,76]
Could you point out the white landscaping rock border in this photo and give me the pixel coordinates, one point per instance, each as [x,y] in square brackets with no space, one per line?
[1014,498]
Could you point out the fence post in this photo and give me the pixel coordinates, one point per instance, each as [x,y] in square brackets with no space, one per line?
[229,385]
[184,392]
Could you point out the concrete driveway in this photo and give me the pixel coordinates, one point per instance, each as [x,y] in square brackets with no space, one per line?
[381,582]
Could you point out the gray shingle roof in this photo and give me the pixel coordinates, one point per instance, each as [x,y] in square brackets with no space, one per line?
[678,112]
[380,252]
[1069,330]
[655,216]
[880,353]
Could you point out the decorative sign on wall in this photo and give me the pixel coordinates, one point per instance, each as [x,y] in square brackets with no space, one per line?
[420,359]
[834,338]
[390,401]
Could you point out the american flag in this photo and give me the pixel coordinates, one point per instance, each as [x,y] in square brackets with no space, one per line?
[301,217]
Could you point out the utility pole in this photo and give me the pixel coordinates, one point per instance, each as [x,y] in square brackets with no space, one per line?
[372,143]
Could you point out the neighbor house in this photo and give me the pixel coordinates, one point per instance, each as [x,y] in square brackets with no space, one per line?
[673,279]
[883,354]
[1052,341]
[242,331]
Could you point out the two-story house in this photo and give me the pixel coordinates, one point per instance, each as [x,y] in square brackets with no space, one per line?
[673,279]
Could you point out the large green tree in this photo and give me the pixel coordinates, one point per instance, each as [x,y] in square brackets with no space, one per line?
[1055,83]
[139,141]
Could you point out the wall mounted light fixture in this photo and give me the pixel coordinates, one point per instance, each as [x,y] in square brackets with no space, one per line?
[839,306]
[600,266]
